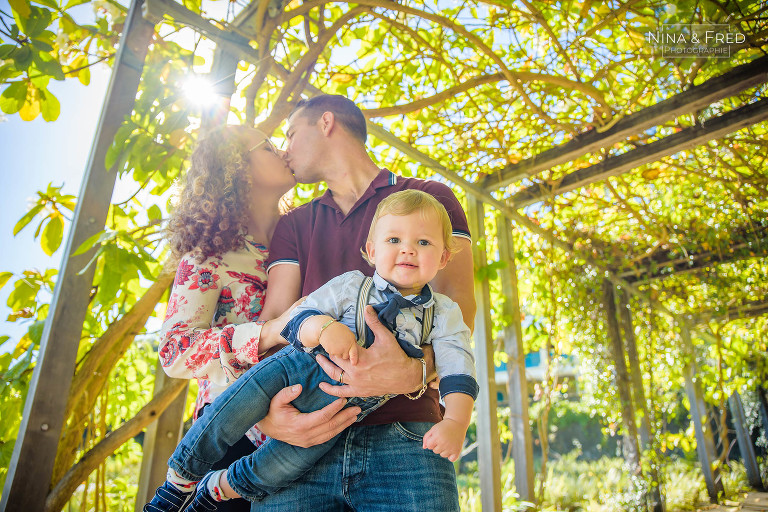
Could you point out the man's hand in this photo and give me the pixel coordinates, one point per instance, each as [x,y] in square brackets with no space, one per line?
[381,369]
[285,423]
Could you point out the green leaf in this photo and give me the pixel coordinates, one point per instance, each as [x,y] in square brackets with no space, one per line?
[35,331]
[6,50]
[39,19]
[92,260]
[84,75]
[23,57]
[116,148]
[48,3]
[41,45]
[154,213]
[52,234]
[21,6]
[4,277]
[92,241]
[27,218]
[48,65]
[73,3]
[49,106]
[23,294]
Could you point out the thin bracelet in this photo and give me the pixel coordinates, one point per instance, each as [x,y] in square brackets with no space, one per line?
[423,381]
[326,324]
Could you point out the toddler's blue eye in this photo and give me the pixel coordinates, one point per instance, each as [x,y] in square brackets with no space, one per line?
[393,240]
[424,242]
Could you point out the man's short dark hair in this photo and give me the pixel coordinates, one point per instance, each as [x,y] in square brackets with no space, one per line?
[344,110]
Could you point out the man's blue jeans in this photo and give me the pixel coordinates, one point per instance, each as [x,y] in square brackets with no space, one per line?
[275,464]
[373,468]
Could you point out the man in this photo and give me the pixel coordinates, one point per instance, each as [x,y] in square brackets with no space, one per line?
[378,464]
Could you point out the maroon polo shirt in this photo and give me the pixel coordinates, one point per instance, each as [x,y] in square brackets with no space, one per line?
[325,243]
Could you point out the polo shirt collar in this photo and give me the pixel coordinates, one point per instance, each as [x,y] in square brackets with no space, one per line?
[382,284]
[385,178]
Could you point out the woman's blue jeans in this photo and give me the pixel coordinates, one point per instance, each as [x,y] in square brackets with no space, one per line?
[275,464]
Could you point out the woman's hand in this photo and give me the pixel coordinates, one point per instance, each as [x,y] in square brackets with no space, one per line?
[285,423]
[270,338]
[381,369]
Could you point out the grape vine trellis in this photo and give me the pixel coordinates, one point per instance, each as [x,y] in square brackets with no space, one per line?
[617,167]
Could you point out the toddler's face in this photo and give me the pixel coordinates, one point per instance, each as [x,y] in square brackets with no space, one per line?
[408,250]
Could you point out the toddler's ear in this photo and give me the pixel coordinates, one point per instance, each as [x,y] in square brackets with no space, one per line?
[370,250]
[445,258]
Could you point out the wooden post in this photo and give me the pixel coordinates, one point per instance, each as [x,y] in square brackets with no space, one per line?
[705,445]
[160,439]
[31,467]
[638,393]
[763,405]
[517,386]
[488,443]
[744,437]
[631,449]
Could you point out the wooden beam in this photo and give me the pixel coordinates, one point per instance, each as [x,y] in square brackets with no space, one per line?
[156,10]
[517,387]
[488,442]
[695,98]
[711,129]
[31,467]
[749,245]
[749,309]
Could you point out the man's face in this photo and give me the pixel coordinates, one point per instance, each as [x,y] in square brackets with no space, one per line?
[305,148]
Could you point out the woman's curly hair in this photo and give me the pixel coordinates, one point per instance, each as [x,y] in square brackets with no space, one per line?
[212,209]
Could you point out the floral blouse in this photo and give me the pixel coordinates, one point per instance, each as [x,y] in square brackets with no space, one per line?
[210,330]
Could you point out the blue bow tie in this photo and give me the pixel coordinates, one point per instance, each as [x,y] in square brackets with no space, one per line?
[387,312]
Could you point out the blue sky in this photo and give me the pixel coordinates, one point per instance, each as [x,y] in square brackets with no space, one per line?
[33,154]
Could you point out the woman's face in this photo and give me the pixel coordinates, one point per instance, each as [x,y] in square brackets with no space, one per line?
[268,169]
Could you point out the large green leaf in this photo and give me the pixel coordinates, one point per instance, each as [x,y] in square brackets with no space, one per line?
[21,6]
[23,294]
[49,106]
[23,56]
[27,218]
[48,65]
[52,234]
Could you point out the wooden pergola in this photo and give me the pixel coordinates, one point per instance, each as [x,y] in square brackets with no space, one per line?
[29,482]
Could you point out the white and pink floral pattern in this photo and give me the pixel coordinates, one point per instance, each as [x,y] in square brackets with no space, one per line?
[211,329]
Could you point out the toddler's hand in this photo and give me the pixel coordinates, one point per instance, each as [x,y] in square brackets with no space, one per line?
[446,439]
[339,341]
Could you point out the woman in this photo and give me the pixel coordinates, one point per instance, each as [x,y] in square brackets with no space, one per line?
[220,230]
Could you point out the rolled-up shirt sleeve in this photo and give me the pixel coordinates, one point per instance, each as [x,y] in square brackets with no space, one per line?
[282,247]
[454,360]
